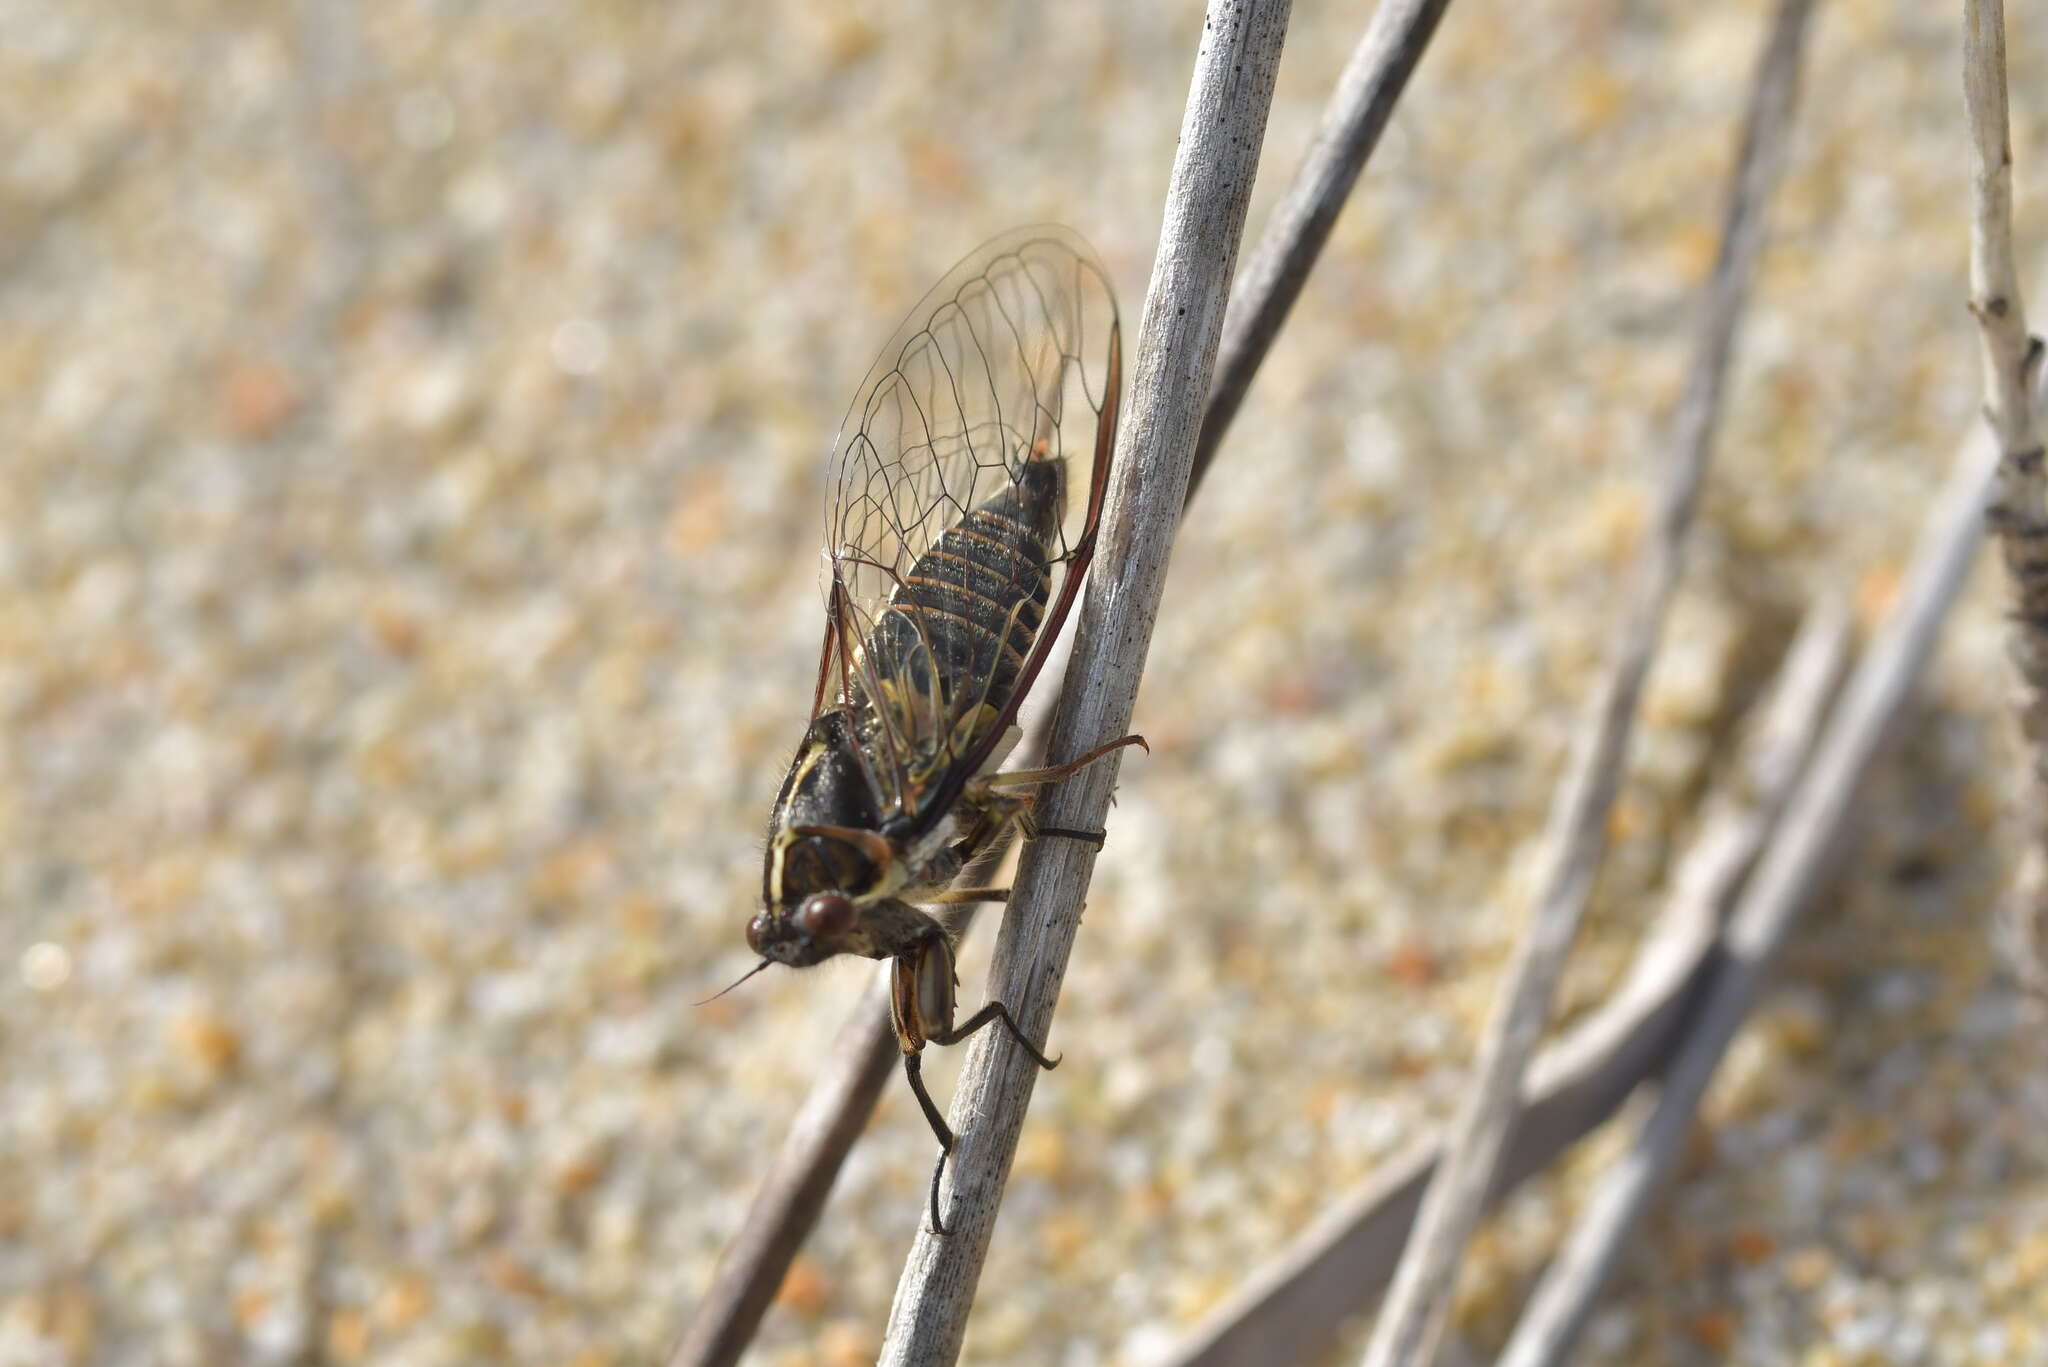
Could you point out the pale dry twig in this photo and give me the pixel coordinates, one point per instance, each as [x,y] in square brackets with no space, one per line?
[1175,355]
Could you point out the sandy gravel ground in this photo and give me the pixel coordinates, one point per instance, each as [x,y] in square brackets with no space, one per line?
[412,416]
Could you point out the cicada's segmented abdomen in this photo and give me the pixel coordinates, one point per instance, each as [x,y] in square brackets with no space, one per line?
[962,621]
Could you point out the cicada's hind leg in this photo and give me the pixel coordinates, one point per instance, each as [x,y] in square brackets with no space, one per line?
[982,791]
[921,1000]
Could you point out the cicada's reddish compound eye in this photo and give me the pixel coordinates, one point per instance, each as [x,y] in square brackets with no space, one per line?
[757,934]
[825,915]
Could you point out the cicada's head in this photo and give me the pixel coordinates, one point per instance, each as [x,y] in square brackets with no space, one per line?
[818,880]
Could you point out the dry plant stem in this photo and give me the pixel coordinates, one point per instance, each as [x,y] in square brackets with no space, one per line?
[795,1187]
[1300,225]
[1575,840]
[1175,355]
[2021,490]
[1293,1307]
[2019,499]
[758,1258]
[1784,882]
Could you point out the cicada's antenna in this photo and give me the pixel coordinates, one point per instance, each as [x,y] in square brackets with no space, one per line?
[735,982]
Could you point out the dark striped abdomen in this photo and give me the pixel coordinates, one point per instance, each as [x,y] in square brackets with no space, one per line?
[968,610]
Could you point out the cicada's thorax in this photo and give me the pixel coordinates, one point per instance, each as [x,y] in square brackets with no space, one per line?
[943,660]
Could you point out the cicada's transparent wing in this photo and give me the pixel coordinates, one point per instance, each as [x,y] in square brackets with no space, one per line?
[961,501]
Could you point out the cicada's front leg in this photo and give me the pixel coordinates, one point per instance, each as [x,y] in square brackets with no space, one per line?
[1018,806]
[921,1001]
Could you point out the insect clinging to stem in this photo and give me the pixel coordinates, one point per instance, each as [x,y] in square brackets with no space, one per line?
[962,500]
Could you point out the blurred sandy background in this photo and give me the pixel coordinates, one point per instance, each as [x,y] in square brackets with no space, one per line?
[412,416]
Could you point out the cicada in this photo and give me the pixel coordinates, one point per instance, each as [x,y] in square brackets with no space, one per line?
[962,498]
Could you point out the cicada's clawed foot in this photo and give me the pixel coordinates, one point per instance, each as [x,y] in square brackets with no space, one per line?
[1032,830]
[993,1011]
[914,1069]
[1095,838]
[938,1171]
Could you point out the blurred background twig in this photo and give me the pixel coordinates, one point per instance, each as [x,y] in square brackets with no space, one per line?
[1790,874]
[1575,840]
[1291,1307]
[2011,357]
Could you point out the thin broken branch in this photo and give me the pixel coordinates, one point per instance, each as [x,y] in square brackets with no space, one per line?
[1221,134]
[1784,883]
[1352,122]
[1576,838]
[1290,1309]
[2019,494]
[796,1185]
